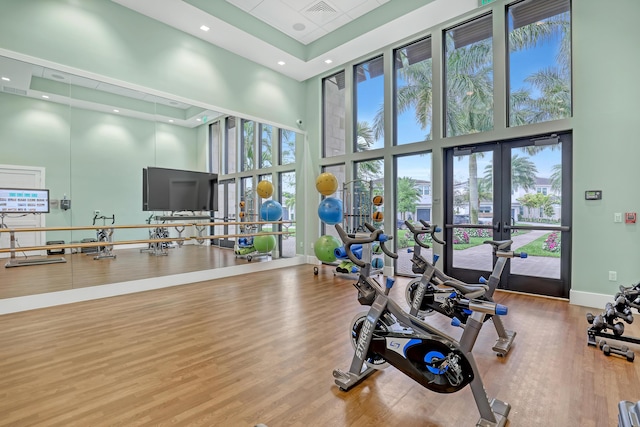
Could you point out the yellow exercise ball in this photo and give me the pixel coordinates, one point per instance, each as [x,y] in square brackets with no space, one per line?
[378,200]
[242,204]
[378,216]
[264,189]
[326,183]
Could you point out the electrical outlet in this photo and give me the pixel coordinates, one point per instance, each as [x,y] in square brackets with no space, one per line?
[613,276]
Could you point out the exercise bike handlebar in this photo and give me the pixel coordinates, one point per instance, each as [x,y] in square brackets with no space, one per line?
[112,218]
[376,235]
[425,229]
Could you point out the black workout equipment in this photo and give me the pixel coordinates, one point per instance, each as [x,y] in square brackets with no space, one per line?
[386,334]
[612,318]
[431,292]
[105,235]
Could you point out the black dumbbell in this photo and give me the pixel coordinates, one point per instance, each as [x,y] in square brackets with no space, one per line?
[620,351]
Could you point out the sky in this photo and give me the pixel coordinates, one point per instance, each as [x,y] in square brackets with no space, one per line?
[370,97]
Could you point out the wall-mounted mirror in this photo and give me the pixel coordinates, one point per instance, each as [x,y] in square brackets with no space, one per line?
[87,142]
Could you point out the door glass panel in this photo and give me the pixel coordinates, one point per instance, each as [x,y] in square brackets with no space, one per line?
[472,205]
[536,195]
[288,202]
[413,203]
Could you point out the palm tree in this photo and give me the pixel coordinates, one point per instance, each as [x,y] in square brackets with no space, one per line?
[408,195]
[369,170]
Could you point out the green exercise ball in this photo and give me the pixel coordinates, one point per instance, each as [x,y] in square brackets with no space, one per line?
[264,243]
[324,248]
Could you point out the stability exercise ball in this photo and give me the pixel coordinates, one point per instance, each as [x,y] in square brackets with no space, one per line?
[324,248]
[271,211]
[264,189]
[326,183]
[378,200]
[330,210]
[378,216]
[264,243]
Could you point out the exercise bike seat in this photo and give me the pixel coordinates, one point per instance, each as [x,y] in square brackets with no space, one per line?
[467,290]
[499,244]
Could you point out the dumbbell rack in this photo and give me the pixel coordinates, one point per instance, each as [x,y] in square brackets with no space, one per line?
[626,299]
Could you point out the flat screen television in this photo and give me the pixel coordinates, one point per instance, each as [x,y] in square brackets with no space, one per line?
[24,200]
[177,190]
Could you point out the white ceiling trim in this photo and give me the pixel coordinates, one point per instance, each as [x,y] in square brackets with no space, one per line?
[188,18]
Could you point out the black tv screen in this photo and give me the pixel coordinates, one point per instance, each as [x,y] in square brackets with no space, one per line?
[175,190]
[24,200]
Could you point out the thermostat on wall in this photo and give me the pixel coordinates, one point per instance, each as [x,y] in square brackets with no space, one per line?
[593,195]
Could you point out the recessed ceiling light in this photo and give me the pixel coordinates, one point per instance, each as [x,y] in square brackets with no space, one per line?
[198,120]
[299,26]
[116,111]
[45,96]
[6,79]
[328,61]
[281,62]
[204,28]
[170,121]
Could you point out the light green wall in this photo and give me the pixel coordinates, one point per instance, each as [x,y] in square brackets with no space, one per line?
[94,158]
[606,149]
[102,37]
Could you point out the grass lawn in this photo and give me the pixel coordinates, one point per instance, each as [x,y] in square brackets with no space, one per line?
[535,248]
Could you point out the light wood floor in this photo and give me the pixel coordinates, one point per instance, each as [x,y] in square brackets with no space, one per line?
[262,348]
[82,270]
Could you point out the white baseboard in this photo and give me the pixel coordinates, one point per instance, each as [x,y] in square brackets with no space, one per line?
[32,302]
[589,299]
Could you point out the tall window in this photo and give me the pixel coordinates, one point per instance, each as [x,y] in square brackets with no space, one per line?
[214,147]
[333,99]
[288,202]
[414,92]
[266,138]
[287,147]
[369,181]
[539,61]
[369,103]
[248,143]
[469,77]
[230,145]
[339,171]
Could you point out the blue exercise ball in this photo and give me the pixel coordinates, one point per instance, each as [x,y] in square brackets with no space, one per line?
[271,211]
[330,210]
[377,263]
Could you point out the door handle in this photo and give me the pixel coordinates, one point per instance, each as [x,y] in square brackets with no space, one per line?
[506,226]
[496,227]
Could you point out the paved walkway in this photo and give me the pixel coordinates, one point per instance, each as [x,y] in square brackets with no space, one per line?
[480,258]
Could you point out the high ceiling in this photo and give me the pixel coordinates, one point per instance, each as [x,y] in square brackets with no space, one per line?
[302,34]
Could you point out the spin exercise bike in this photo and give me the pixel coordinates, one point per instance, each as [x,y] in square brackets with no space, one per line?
[431,292]
[387,335]
[105,235]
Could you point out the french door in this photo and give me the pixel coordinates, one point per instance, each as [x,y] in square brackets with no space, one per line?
[517,190]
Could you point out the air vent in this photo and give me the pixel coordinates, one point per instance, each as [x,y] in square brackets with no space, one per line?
[14,90]
[321,7]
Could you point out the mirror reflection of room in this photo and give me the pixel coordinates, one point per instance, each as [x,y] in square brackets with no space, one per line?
[86,148]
